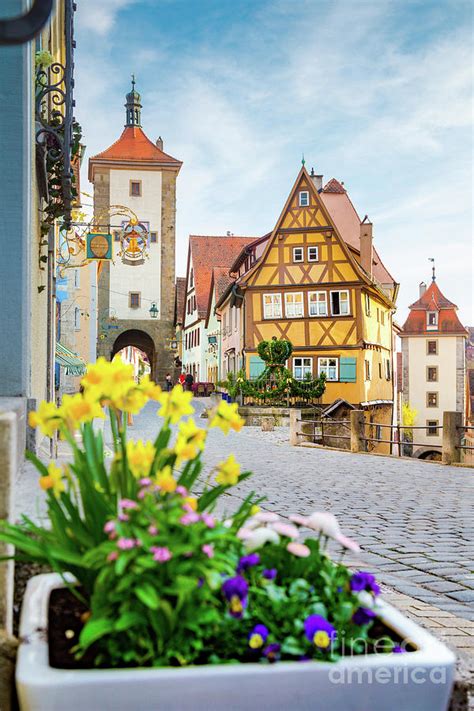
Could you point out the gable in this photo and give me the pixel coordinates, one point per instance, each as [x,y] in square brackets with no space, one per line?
[301,227]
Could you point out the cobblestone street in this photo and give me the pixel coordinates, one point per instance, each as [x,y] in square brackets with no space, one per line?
[413,520]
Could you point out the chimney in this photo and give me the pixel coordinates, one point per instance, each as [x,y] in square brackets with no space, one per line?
[159,143]
[422,288]
[366,245]
[317,180]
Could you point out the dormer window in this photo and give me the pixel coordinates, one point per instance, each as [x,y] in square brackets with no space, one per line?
[304,198]
[432,320]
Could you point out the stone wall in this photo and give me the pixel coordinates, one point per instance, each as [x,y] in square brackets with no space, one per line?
[168,239]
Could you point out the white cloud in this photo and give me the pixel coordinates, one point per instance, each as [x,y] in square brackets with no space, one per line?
[99,16]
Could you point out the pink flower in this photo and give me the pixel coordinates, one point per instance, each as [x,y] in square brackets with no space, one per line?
[123,517]
[298,549]
[208,549]
[266,517]
[189,518]
[244,533]
[161,554]
[144,482]
[142,493]
[109,527]
[128,504]
[285,529]
[188,508]
[152,530]
[181,490]
[327,524]
[126,544]
[112,556]
[209,520]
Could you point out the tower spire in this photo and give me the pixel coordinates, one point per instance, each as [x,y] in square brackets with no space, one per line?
[433,268]
[133,107]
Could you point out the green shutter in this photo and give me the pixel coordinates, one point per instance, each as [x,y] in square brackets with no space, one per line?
[347,370]
[257,366]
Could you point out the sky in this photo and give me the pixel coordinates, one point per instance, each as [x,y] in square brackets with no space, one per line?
[377,94]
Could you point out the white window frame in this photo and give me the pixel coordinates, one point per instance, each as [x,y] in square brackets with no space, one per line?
[318,302]
[340,291]
[325,367]
[367,304]
[273,302]
[300,198]
[313,259]
[304,367]
[292,306]
[295,259]
[432,326]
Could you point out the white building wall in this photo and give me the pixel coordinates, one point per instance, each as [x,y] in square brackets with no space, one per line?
[419,386]
[144,278]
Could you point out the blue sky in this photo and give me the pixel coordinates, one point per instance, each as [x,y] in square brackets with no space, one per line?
[377,94]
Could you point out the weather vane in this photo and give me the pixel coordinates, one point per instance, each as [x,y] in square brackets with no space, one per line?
[433,269]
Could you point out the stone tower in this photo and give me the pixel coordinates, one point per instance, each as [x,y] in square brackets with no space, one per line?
[136,173]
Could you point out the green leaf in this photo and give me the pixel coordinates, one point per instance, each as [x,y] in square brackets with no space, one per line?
[292,646]
[94,630]
[129,619]
[147,594]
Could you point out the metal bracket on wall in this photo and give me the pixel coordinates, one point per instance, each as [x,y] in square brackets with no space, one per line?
[21,29]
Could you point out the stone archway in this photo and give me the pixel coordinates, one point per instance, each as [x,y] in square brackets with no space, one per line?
[139,339]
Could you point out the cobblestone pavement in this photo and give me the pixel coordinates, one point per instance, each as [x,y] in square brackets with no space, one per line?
[413,520]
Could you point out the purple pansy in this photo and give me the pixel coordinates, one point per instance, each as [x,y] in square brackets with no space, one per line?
[258,636]
[398,650]
[247,561]
[364,581]
[236,590]
[363,616]
[272,652]
[269,573]
[319,631]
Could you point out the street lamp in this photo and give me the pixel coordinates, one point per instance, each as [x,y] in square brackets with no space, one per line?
[153,310]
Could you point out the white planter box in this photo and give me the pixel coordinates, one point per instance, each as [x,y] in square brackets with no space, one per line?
[416,681]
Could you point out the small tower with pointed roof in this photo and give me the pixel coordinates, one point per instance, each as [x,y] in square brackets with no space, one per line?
[137,173]
[433,363]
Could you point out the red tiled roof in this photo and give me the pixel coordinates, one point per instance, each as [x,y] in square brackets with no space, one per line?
[134,146]
[206,253]
[180,295]
[433,300]
[334,186]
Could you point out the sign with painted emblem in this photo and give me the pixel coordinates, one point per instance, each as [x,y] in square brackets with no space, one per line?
[99,245]
[134,242]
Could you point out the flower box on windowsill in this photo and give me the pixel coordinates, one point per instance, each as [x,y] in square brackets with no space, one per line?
[415,681]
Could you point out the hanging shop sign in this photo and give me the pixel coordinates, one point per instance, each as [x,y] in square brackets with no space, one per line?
[133,242]
[99,245]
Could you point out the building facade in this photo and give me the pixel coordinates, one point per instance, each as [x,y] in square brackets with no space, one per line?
[136,298]
[433,364]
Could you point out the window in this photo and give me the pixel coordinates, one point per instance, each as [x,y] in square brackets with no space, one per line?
[432,374]
[191,279]
[76,278]
[367,304]
[378,314]
[302,368]
[380,370]
[135,188]
[304,198]
[388,374]
[431,399]
[272,306]
[328,366]
[432,347]
[378,432]
[298,254]
[367,369]
[382,317]
[224,324]
[77,318]
[432,428]
[294,305]
[134,299]
[318,305]
[116,236]
[432,320]
[339,303]
[153,237]
[186,341]
[313,254]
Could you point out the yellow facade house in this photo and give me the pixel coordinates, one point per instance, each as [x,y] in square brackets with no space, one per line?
[319,282]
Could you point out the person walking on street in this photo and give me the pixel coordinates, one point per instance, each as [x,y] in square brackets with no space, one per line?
[189,382]
[169,382]
[182,379]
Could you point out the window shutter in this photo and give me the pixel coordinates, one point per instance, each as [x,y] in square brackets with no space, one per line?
[257,366]
[347,370]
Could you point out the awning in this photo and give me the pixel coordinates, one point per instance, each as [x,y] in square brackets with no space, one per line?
[71,361]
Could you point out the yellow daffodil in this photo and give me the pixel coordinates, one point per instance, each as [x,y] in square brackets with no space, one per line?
[47,418]
[165,480]
[190,440]
[79,408]
[53,480]
[140,457]
[106,380]
[149,388]
[255,510]
[227,417]
[175,404]
[228,472]
[191,501]
[131,401]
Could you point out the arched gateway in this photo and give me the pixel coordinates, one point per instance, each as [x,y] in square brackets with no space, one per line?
[136,291]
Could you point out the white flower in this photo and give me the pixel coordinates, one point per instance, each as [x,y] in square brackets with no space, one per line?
[259,536]
[327,524]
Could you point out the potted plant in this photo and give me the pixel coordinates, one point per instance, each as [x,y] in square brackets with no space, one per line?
[156,602]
